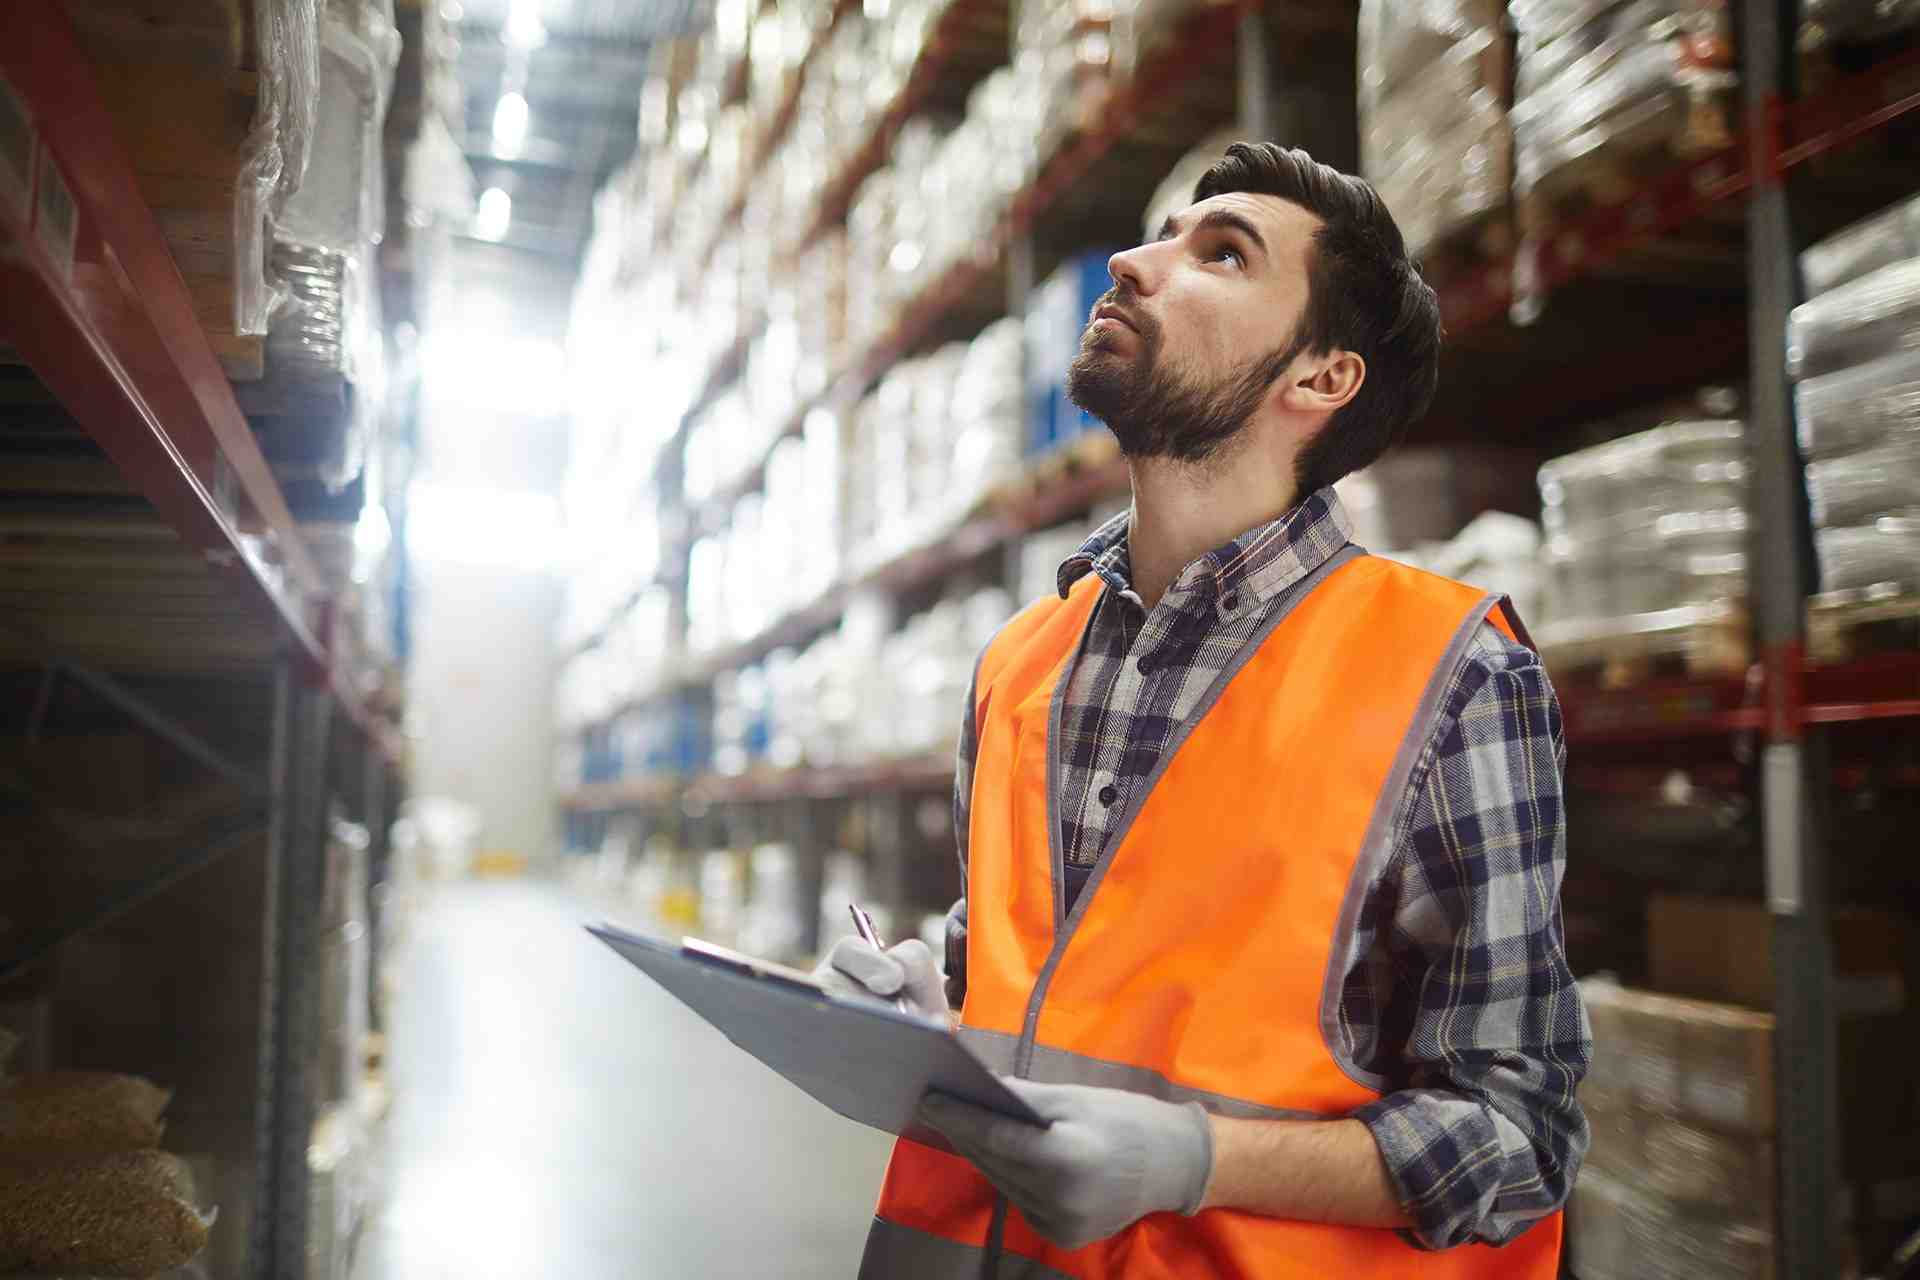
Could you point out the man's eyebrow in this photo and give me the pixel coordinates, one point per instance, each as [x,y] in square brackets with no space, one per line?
[1217,220]
[1228,220]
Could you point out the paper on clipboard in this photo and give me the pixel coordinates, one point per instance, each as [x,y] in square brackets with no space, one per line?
[867,1060]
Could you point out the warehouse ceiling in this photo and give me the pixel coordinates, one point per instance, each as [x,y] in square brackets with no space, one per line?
[578,67]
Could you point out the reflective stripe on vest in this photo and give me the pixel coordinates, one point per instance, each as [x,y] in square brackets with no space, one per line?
[1203,958]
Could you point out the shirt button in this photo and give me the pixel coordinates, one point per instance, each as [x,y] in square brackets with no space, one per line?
[1232,601]
[1145,664]
[1108,795]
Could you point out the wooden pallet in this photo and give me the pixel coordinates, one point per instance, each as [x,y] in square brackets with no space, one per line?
[1464,250]
[1846,625]
[1703,642]
[1626,165]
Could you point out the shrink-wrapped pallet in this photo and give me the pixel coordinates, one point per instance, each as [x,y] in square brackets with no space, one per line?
[1855,346]
[1652,522]
[1890,236]
[1877,314]
[1604,91]
[1435,87]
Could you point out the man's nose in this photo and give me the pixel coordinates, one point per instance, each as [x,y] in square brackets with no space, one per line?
[1129,269]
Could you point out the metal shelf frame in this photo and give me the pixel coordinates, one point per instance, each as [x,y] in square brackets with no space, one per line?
[1784,706]
[93,303]
[91,299]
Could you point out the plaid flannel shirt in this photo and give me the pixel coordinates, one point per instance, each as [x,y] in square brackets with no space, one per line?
[1457,988]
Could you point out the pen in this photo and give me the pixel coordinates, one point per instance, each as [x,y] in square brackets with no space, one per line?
[863,925]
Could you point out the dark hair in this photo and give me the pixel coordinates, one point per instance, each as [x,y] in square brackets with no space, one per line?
[1363,295]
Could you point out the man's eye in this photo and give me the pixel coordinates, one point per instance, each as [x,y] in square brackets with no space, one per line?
[1224,254]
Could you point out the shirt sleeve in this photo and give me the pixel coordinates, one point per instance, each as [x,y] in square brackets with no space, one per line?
[962,798]
[1481,1132]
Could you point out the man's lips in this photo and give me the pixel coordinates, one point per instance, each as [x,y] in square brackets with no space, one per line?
[1108,311]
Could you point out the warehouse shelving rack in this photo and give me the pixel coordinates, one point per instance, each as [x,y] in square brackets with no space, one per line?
[151,570]
[1778,709]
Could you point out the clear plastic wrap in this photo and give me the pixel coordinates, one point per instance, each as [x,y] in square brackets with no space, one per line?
[1618,1230]
[1648,76]
[1890,236]
[1875,315]
[1398,38]
[1661,1056]
[1434,135]
[1858,408]
[1885,552]
[1860,487]
[1652,522]
[1825,21]
[275,158]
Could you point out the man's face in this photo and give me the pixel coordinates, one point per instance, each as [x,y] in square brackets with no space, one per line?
[1178,355]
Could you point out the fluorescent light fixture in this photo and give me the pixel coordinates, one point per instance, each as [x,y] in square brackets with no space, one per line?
[495,215]
[492,528]
[524,29]
[510,124]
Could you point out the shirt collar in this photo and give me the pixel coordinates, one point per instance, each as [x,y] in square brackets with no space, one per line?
[1243,574]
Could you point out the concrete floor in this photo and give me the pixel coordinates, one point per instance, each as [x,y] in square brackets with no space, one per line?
[557,1115]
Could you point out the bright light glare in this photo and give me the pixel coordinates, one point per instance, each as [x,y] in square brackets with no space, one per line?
[371,537]
[524,29]
[482,369]
[489,528]
[510,124]
[495,214]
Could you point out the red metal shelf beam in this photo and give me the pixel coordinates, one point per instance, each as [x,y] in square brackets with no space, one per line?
[1882,687]
[1845,112]
[111,331]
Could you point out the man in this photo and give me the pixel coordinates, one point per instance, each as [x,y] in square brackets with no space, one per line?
[1261,836]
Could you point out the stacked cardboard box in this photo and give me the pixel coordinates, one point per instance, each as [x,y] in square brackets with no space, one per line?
[1681,1093]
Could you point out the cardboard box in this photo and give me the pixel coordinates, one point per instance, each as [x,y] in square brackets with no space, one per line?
[1722,949]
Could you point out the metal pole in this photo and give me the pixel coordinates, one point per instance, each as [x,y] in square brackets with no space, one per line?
[1255,84]
[1781,580]
[296,868]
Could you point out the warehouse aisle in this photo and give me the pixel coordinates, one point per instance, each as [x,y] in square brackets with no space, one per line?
[556,1116]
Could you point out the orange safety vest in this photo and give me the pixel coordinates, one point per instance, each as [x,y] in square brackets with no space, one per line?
[1203,960]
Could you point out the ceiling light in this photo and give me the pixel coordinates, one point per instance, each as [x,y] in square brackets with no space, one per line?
[524,29]
[495,215]
[510,125]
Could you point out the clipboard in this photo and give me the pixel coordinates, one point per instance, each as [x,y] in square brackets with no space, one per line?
[865,1059]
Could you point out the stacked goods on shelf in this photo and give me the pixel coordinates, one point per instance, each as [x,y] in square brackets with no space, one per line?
[1854,348]
[325,347]
[85,1188]
[229,144]
[1607,92]
[1435,140]
[1679,1180]
[1646,551]
[1057,314]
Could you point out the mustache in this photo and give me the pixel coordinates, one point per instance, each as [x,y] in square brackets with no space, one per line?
[1124,300]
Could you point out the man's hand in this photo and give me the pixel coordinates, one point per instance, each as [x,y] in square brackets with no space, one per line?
[1109,1158]
[906,969]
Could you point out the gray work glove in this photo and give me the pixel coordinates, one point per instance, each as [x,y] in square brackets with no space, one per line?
[1110,1157]
[905,969]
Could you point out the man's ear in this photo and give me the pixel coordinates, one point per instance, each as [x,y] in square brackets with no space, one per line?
[1325,383]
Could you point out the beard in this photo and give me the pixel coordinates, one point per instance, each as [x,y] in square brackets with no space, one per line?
[1157,412]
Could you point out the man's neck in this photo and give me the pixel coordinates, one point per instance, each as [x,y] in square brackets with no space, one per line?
[1181,512]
